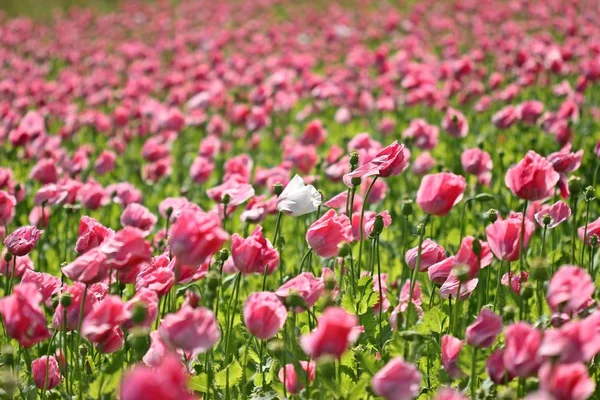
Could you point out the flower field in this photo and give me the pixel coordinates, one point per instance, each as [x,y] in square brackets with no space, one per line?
[301,200]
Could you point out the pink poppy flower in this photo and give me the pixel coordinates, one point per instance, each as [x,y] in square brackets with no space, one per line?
[521,351]
[22,315]
[193,330]
[504,236]
[196,236]
[264,314]
[328,233]
[570,289]
[335,332]
[46,373]
[20,242]
[558,213]
[483,332]
[254,254]
[533,178]
[397,380]
[438,193]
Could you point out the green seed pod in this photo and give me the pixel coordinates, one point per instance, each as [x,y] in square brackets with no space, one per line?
[212,280]
[344,251]
[226,199]
[294,300]
[355,181]
[7,257]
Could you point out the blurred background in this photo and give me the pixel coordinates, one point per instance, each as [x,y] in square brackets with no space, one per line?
[42,9]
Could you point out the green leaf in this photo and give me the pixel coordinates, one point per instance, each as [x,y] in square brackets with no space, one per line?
[485,197]
[434,320]
[358,391]
[105,384]
[198,383]
[235,374]
[348,303]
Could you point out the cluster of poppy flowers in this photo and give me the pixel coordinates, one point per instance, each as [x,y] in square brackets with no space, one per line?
[273,200]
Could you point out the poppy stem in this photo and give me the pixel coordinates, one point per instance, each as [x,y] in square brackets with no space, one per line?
[421,229]
[522,238]
[474,374]
[360,225]
[585,232]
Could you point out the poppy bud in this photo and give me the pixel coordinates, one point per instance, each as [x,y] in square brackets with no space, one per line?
[477,247]
[575,184]
[547,220]
[527,290]
[139,313]
[212,280]
[295,300]
[223,255]
[355,181]
[509,313]
[407,207]
[539,269]
[226,199]
[461,271]
[277,189]
[353,160]
[344,251]
[169,212]
[66,299]
[594,240]
[7,257]
[378,226]
[492,215]
[589,193]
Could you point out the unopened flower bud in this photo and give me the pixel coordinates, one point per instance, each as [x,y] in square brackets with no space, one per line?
[276,347]
[7,257]
[378,225]
[594,240]
[226,199]
[492,215]
[477,247]
[83,350]
[461,272]
[212,280]
[539,269]
[277,189]
[575,184]
[223,255]
[589,193]
[344,251]
[527,290]
[353,160]
[547,220]
[66,299]
[509,312]
[355,181]
[294,300]
[407,208]
[139,312]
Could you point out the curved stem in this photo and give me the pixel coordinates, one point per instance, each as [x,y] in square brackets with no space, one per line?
[416,269]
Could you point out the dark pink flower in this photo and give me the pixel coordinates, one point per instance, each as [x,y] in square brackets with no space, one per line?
[22,240]
[254,254]
[46,373]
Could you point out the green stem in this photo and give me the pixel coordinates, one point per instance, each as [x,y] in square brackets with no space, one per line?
[360,225]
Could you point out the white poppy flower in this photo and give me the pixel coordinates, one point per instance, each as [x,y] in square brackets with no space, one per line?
[298,199]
